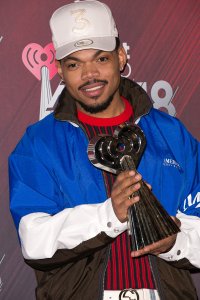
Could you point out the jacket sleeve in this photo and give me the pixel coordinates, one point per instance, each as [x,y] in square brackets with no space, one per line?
[48,232]
[186,251]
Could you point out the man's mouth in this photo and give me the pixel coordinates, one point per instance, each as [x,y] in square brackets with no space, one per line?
[93,89]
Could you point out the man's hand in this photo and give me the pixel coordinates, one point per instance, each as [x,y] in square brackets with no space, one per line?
[126,184]
[159,247]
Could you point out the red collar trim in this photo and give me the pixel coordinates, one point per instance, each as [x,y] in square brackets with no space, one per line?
[123,117]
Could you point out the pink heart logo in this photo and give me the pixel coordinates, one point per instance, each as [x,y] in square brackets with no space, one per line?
[35,57]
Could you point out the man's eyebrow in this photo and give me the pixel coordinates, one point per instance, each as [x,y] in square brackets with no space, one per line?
[71,57]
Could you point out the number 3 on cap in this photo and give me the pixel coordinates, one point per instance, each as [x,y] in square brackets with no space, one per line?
[81,23]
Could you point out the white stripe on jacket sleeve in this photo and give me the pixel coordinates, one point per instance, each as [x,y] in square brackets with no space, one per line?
[42,235]
[187,242]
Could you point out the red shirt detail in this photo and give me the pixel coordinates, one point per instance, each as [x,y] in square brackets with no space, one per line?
[123,117]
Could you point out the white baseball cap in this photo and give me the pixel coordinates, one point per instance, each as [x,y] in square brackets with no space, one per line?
[82,25]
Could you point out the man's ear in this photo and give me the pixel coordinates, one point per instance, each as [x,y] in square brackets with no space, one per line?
[122,57]
[59,68]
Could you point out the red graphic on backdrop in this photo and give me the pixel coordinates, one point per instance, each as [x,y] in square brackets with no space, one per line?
[35,57]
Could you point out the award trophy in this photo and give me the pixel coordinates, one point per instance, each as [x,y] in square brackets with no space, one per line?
[148,221]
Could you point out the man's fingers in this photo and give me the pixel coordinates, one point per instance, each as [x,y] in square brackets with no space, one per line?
[122,195]
[123,192]
[127,179]
[157,247]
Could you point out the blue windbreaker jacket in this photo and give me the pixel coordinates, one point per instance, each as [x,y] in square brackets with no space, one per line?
[50,169]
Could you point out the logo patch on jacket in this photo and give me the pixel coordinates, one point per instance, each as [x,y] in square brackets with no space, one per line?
[169,162]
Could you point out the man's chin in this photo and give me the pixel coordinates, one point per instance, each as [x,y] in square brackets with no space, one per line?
[95,108]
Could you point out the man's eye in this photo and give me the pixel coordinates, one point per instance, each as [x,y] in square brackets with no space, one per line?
[72,66]
[102,59]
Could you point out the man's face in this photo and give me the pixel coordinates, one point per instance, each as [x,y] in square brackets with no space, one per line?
[92,78]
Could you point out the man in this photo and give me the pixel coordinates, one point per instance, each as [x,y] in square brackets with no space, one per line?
[72,217]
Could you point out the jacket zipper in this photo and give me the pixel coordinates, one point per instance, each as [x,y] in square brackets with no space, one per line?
[155,274]
[102,277]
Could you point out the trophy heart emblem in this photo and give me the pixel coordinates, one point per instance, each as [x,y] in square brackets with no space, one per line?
[148,221]
[111,153]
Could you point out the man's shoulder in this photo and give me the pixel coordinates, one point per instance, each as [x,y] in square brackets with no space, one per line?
[48,126]
[169,127]
[163,117]
[165,122]
[45,123]
[42,132]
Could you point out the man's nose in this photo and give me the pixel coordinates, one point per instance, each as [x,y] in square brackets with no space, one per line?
[89,71]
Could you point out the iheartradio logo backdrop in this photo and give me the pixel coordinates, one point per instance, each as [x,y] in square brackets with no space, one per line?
[160,38]
[35,57]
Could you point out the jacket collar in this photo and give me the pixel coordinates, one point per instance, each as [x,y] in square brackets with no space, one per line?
[66,108]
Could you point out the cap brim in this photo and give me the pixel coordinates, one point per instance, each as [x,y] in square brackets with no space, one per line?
[99,43]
